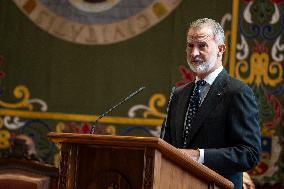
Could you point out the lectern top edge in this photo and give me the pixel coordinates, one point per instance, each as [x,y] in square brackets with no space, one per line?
[92,138]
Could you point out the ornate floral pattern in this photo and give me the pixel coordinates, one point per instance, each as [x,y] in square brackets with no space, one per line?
[260,26]
[156,101]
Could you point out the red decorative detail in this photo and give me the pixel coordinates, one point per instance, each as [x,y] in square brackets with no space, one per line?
[72,127]
[259,169]
[2,73]
[277,1]
[100,129]
[260,48]
[277,110]
[187,76]
[12,135]
[85,128]
[79,128]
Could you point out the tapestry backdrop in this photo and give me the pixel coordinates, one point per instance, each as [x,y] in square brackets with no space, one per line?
[64,63]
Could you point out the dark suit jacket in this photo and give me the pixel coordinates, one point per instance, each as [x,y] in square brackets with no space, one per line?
[225,126]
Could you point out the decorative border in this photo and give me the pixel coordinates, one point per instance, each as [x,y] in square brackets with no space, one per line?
[234,30]
[79,117]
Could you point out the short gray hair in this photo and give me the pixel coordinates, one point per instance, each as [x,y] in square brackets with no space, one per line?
[217,29]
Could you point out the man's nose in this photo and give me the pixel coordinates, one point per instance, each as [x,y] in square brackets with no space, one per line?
[194,52]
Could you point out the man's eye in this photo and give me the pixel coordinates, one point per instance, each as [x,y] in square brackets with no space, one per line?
[201,46]
[190,45]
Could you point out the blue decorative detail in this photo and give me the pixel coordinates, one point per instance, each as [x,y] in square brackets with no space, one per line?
[266,30]
[278,90]
[256,30]
[266,144]
[37,130]
[121,11]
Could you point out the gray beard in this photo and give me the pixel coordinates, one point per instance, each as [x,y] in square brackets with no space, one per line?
[205,66]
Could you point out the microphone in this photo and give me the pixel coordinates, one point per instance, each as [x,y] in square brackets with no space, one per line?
[163,130]
[93,129]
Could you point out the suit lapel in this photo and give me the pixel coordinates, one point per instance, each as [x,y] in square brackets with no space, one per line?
[211,100]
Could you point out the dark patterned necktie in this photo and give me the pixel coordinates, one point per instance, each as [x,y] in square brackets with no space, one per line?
[193,106]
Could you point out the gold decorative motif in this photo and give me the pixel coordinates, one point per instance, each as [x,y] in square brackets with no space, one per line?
[4,139]
[56,160]
[243,67]
[60,127]
[1,122]
[80,117]
[20,92]
[159,9]
[29,6]
[160,101]
[233,41]
[259,71]
[267,132]
[110,130]
[226,54]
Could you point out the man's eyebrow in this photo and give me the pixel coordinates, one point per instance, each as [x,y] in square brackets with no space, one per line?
[198,42]
[198,37]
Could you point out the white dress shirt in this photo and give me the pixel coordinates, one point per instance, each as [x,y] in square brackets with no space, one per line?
[204,90]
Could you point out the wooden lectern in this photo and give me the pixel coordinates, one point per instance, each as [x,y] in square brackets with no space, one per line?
[124,162]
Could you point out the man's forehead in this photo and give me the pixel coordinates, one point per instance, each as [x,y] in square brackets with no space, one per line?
[199,35]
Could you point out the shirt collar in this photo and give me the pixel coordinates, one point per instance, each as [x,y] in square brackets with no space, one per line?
[212,76]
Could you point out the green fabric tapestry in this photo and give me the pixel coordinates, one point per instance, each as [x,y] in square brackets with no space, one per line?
[62,64]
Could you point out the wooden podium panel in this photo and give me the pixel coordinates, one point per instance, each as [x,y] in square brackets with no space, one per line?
[97,166]
[124,162]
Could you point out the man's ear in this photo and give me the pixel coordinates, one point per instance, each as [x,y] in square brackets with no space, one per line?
[222,48]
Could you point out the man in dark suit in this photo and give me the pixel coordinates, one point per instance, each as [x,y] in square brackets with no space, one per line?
[214,119]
